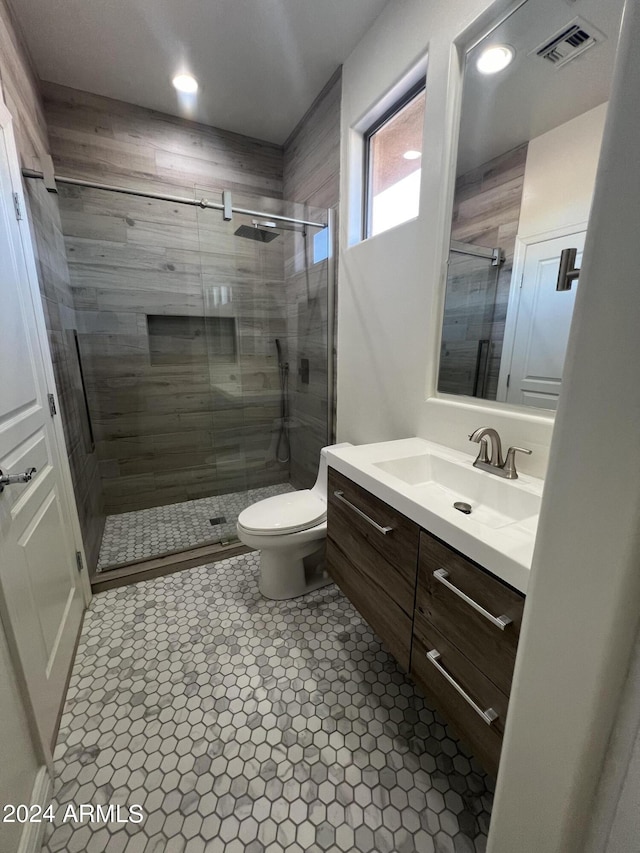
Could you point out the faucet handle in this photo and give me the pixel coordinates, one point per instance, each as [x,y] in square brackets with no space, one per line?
[510,462]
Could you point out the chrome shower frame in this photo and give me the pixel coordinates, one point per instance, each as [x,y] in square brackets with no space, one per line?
[227,209]
[226,206]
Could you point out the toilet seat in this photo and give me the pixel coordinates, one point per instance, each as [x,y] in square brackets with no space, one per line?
[287,513]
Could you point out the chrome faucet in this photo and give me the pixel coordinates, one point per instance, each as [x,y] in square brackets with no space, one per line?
[495,464]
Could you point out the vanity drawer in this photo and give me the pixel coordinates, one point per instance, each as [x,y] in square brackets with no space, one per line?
[386,618]
[388,559]
[489,647]
[484,738]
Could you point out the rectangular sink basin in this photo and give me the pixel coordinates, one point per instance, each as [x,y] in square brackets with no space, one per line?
[494,502]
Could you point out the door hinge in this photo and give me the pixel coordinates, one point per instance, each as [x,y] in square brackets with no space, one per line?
[79,561]
[52,405]
[16,204]
[508,379]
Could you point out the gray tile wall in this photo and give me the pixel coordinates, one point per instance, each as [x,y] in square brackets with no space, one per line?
[20,87]
[312,177]
[486,212]
[191,423]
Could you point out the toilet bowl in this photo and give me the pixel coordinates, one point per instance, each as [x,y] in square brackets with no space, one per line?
[290,531]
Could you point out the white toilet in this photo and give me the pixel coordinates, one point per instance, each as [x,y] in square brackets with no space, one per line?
[289,531]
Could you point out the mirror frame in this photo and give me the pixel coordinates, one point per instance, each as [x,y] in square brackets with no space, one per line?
[466,41]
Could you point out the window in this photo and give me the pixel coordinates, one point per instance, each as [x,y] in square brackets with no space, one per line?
[393,152]
[321,246]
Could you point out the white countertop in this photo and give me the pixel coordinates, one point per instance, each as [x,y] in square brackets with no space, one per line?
[505,551]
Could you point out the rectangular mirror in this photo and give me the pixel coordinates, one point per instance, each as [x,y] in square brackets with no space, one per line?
[530,137]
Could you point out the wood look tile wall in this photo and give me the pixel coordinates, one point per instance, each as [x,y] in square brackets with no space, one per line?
[21,93]
[486,212]
[105,140]
[182,418]
[312,177]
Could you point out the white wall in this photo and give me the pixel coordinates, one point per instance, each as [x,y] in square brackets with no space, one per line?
[391,286]
[581,617]
[625,829]
[560,174]
[615,825]
[581,613]
[557,192]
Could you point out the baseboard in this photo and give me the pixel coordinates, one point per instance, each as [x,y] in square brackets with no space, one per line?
[33,833]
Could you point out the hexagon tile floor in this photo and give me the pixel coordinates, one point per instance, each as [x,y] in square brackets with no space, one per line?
[145,533]
[240,724]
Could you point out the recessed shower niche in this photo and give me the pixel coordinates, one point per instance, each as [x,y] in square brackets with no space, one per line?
[185,340]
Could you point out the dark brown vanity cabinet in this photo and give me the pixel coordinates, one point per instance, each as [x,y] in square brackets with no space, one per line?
[372,552]
[450,623]
[465,637]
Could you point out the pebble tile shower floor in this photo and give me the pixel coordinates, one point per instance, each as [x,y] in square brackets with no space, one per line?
[145,533]
[241,724]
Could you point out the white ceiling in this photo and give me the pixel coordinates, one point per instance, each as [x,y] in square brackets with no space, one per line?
[533,96]
[260,63]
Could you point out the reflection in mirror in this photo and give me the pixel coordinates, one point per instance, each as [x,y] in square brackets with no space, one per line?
[530,138]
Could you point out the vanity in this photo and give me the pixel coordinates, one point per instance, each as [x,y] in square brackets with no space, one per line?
[443,589]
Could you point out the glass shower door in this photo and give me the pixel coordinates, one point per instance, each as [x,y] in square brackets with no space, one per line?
[135,265]
[471,351]
[308,268]
[265,296]
[204,349]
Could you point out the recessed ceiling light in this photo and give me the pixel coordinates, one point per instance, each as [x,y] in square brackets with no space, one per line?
[411,154]
[185,83]
[495,59]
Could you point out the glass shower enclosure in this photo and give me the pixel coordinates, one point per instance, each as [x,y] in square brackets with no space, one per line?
[203,340]
[473,323]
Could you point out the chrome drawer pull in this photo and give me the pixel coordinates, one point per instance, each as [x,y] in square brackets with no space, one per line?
[341,497]
[499,621]
[488,716]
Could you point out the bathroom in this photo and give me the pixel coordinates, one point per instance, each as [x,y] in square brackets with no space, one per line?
[158,325]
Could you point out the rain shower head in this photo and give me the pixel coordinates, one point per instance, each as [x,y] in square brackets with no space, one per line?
[261,231]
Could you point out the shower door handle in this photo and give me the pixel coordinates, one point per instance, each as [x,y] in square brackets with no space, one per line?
[477,380]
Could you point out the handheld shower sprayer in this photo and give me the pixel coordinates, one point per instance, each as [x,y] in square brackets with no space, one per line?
[279,351]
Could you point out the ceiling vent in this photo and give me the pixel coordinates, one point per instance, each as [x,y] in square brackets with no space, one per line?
[569,43]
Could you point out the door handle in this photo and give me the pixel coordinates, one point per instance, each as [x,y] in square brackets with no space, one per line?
[568,272]
[11,479]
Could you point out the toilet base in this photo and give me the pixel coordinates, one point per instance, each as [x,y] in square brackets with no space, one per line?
[291,572]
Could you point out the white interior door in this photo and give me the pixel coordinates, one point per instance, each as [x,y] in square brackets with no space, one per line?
[542,325]
[41,600]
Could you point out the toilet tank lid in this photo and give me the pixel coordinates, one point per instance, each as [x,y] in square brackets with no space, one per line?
[287,513]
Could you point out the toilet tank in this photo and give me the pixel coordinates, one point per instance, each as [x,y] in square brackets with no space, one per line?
[320,487]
